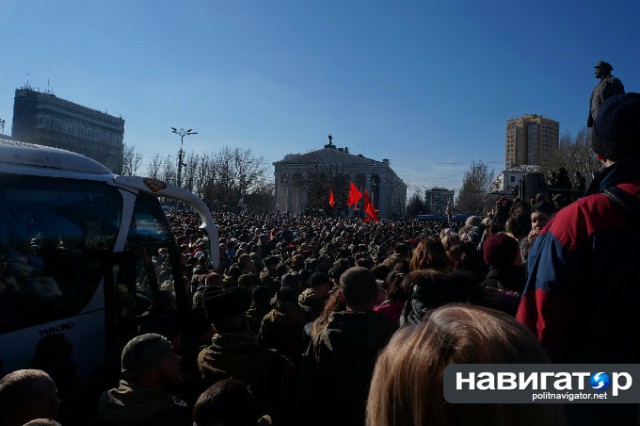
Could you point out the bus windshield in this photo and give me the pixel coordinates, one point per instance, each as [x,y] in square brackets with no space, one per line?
[54,234]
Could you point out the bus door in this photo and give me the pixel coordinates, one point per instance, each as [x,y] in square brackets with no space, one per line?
[145,273]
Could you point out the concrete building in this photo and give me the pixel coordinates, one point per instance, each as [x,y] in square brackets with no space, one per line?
[44,119]
[520,181]
[437,199]
[531,140]
[303,183]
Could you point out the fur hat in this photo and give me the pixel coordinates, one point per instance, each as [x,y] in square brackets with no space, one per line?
[616,130]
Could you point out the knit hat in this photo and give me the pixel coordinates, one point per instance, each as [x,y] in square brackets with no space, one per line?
[143,353]
[289,280]
[234,271]
[500,250]
[616,130]
[222,304]
[271,260]
[473,221]
[248,280]
[262,294]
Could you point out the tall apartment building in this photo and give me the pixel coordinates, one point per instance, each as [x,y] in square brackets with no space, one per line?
[531,140]
[44,119]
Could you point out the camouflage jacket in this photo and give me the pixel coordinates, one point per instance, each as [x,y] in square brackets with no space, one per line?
[268,374]
[337,367]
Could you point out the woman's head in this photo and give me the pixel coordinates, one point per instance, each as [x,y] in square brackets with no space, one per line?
[407,384]
[541,215]
[429,253]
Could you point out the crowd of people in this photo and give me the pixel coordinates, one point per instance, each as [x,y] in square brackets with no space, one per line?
[332,321]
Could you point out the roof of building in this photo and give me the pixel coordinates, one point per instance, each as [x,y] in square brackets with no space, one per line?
[329,156]
[52,99]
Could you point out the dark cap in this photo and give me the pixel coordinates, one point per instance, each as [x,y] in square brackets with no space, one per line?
[227,303]
[143,353]
[616,130]
[603,64]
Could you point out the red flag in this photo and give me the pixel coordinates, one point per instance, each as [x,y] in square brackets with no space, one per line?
[369,208]
[354,196]
[332,200]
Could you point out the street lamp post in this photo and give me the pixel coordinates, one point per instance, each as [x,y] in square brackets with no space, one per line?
[182,133]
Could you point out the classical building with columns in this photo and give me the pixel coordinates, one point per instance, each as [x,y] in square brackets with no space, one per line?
[303,183]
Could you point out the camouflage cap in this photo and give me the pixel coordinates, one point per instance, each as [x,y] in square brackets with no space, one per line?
[143,353]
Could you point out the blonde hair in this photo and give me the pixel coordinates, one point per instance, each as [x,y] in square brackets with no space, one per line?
[407,384]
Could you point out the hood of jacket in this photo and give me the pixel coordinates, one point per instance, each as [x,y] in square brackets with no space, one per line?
[129,404]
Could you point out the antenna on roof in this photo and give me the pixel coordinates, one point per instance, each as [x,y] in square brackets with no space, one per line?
[48,80]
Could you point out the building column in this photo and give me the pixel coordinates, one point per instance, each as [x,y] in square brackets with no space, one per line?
[288,178]
[276,190]
[304,192]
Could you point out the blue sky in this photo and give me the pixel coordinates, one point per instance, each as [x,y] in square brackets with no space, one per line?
[427,84]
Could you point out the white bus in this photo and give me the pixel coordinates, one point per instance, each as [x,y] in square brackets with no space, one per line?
[83,252]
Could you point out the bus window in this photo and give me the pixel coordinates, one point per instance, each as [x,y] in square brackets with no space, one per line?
[144,279]
[54,235]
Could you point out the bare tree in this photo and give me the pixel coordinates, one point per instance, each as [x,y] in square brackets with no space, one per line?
[260,198]
[154,166]
[416,204]
[225,188]
[189,172]
[205,180]
[221,179]
[575,154]
[131,161]
[169,172]
[472,197]
[248,168]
